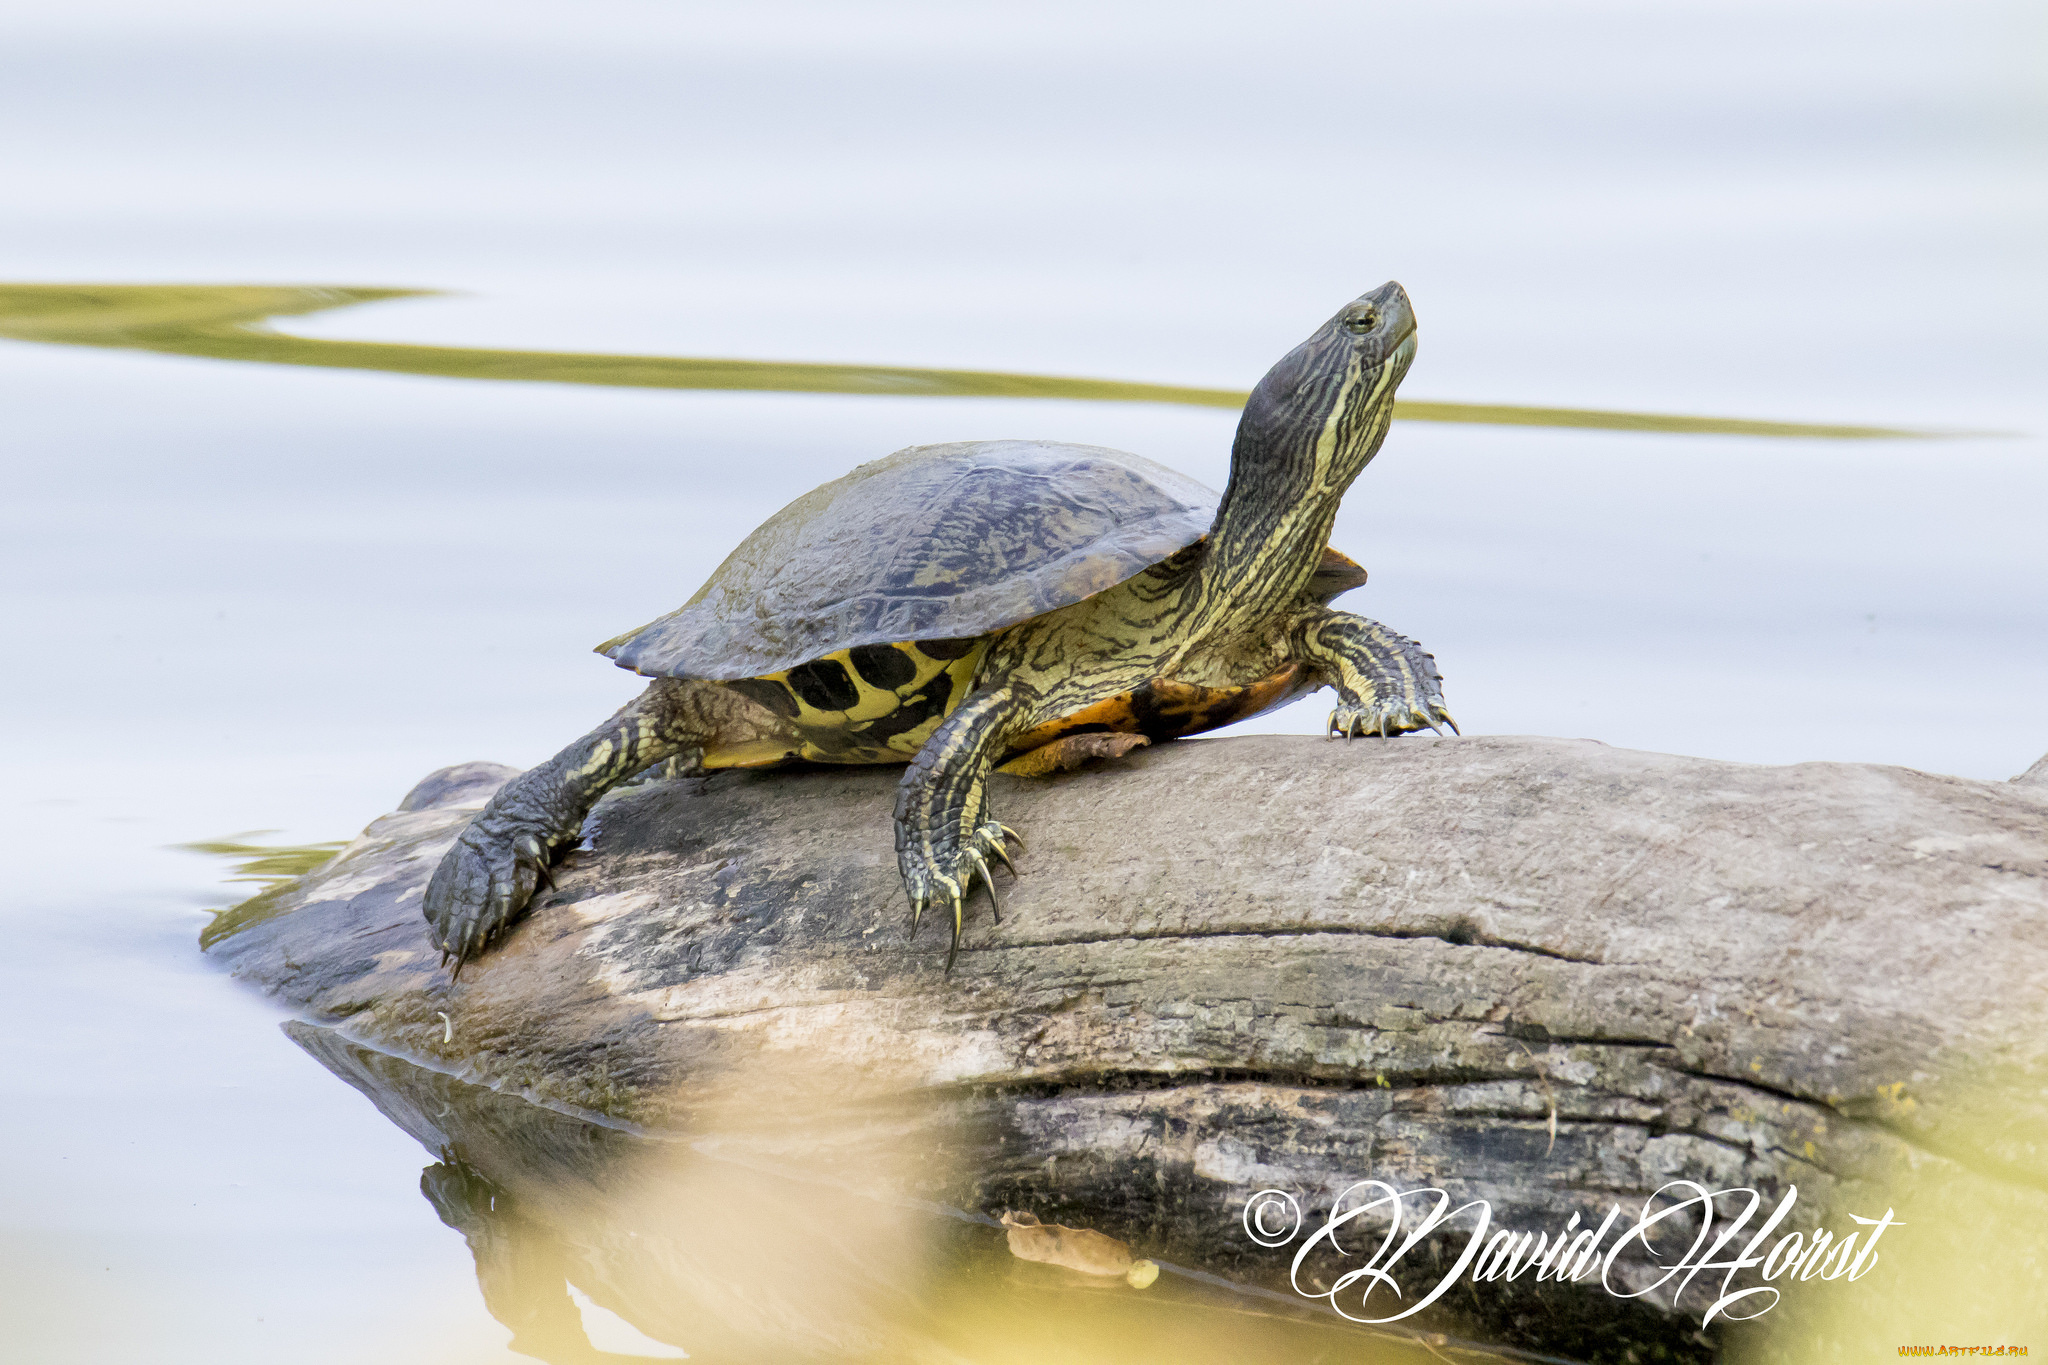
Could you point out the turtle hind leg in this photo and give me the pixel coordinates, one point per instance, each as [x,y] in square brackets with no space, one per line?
[1071,751]
[946,840]
[502,856]
[1386,683]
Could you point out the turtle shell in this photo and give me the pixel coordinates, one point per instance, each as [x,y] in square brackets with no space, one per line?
[933,542]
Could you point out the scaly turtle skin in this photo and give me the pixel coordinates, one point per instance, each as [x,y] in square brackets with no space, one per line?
[1015,603]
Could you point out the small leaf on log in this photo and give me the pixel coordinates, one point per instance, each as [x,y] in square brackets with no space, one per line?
[1091,1253]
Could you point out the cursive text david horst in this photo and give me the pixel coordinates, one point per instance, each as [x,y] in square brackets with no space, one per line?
[1743,1263]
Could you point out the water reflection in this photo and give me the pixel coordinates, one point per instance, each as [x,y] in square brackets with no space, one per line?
[274,868]
[265,864]
[758,1244]
[225,322]
[521,1266]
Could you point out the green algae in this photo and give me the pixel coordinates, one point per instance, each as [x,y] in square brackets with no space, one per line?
[267,863]
[276,870]
[226,322]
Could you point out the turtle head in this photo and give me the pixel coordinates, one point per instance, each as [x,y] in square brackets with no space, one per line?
[1320,414]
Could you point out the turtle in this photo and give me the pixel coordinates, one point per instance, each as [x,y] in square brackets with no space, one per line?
[1017,604]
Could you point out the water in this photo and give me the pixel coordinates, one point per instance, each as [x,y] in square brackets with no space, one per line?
[248,598]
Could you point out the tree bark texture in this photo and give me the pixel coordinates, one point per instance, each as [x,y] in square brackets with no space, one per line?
[1546,973]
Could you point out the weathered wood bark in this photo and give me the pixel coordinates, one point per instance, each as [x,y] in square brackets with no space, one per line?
[1546,973]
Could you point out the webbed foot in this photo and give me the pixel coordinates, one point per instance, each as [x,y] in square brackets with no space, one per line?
[490,873]
[940,874]
[484,881]
[1389,716]
[945,837]
[1386,683]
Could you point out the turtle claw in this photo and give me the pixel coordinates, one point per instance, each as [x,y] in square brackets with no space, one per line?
[530,850]
[485,879]
[945,891]
[1360,719]
[980,865]
[941,876]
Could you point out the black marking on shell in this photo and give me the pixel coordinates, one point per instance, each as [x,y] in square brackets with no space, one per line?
[824,686]
[947,542]
[917,708]
[772,695]
[962,684]
[947,649]
[884,666]
[1335,576]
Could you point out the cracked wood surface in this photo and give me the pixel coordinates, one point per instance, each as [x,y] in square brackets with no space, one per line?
[1548,973]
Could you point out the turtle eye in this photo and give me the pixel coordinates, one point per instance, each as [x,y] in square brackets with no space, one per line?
[1362,322]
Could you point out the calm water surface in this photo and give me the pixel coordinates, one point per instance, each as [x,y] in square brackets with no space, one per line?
[247,598]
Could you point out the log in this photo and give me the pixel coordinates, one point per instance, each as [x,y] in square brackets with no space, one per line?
[1546,973]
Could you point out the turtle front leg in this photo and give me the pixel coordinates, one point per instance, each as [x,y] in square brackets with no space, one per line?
[503,854]
[1386,684]
[945,837]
